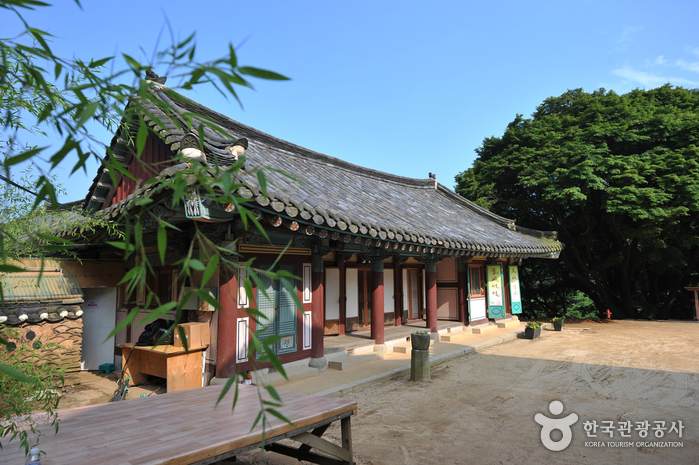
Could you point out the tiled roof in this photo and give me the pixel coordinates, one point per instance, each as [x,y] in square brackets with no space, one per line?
[30,299]
[336,194]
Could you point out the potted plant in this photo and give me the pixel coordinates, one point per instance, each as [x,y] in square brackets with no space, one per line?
[420,340]
[532,330]
[558,323]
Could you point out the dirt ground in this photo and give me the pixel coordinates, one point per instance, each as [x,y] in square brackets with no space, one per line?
[480,408]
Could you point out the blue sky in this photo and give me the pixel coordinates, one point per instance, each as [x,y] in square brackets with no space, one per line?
[404,87]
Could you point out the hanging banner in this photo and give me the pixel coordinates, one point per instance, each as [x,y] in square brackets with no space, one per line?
[496,300]
[515,296]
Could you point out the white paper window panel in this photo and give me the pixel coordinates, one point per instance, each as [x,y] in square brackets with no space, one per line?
[388,291]
[332,293]
[307,286]
[406,288]
[477,308]
[352,293]
[307,333]
[243,301]
[242,340]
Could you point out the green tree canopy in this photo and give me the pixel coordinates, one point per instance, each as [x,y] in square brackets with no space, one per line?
[618,177]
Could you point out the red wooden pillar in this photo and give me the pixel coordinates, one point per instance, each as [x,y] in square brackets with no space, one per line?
[377,294]
[397,292]
[462,277]
[227,326]
[317,307]
[431,289]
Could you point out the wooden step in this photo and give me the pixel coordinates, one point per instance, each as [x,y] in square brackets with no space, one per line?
[483,329]
[347,362]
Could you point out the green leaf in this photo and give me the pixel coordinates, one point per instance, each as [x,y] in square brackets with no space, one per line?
[141,138]
[196,265]
[162,242]
[122,324]
[23,156]
[157,312]
[211,268]
[11,269]
[208,298]
[279,415]
[14,373]
[225,389]
[87,113]
[99,63]
[262,73]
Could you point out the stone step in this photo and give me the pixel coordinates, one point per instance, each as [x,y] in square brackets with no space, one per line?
[507,323]
[352,360]
[276,379]
[456,336]
[403,348]
[483,329]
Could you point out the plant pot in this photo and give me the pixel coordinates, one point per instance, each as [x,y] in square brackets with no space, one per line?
[557,326]
[531,333]
[420,341]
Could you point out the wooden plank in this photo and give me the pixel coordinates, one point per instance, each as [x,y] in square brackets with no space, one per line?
[305,448]
[310,457]
[346,427]
[175,428]
[323,446]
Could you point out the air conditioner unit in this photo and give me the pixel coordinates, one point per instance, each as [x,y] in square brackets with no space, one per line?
[196,303]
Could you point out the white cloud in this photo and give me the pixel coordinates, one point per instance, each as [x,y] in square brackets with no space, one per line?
[649,80]
[693,66]
[693,51]
[626,37]
[660,60]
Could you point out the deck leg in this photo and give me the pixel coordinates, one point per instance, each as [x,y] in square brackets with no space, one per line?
[346,428]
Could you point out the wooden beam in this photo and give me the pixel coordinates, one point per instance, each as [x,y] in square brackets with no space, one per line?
[323,446]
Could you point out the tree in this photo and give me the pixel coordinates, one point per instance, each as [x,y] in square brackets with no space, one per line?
[618,177]
[40,90]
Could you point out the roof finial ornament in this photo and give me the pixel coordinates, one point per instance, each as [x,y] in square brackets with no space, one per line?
[151,76]
[238,148]
[190,148]
[434,177]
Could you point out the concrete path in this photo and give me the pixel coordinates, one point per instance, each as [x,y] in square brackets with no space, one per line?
[334,383]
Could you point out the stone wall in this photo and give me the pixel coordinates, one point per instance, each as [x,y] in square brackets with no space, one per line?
[68,334]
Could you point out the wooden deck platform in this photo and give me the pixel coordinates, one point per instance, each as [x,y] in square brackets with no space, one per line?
[186,428]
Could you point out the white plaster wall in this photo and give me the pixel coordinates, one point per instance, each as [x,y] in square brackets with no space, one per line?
[352,291]
[332,293]
[97,324]
[388,291]
[477,308]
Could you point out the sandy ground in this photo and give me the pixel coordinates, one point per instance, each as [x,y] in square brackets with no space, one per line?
[480,408]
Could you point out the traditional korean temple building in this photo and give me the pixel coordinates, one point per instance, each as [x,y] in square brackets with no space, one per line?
[372,249]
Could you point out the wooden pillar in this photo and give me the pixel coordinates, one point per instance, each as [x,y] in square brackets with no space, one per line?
[397,292]
[226,342]
[317,307]
[377,292]
[462,277]
[431,289]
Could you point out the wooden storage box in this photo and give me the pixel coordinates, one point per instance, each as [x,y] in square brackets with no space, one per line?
[197,335]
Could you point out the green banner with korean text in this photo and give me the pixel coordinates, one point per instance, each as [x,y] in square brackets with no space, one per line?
[496,299]
[515,296]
